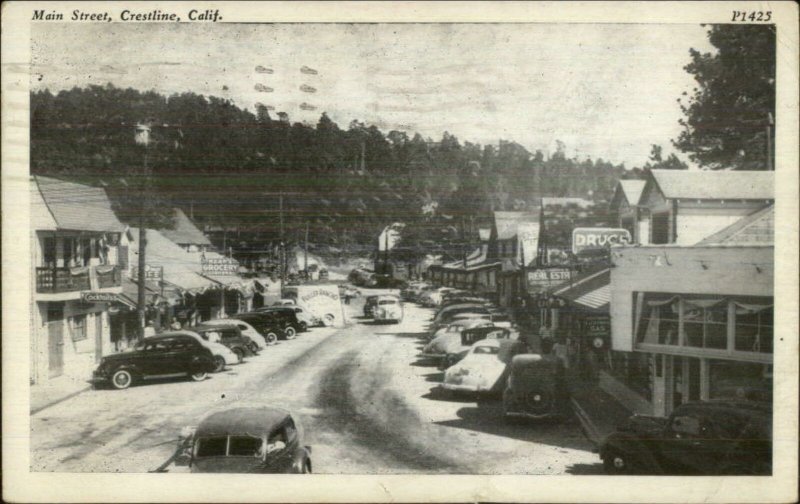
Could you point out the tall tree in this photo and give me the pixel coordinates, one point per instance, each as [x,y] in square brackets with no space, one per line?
[728,119]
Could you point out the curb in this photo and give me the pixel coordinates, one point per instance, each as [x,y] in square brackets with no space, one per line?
[59,400]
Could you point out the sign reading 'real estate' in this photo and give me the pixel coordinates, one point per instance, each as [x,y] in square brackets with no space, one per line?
[220,266]
[598,238]
[542,279]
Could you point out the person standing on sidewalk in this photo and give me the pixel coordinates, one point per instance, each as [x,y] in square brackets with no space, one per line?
[561,351]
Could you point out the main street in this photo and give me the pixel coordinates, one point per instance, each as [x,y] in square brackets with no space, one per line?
[362,396]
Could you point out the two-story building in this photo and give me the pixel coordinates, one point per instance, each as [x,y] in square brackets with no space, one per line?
[692,304]
[75,277]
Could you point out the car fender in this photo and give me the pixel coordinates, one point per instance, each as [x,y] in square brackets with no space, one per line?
[635,448]
[301,456]
[132,368]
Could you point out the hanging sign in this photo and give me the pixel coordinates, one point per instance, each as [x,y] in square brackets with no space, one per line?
[540,280]
[150,272]
[99,297]
[598,238]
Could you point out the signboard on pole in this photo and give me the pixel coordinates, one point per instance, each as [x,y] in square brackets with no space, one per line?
[598,238]
[155,273]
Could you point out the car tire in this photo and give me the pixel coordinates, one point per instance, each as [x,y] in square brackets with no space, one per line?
[290,333]
[219,364]
[303,327]
[121,379]
[239,354]
[253,347]
[272,338]
[616,463]
[198,376]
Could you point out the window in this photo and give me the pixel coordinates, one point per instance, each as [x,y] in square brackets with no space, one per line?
[705,323]
[161,345]
[49,251]
[753,327]
[212,446]
[78,327]
[69,252]
[245,446]
[660,319]
[660,229]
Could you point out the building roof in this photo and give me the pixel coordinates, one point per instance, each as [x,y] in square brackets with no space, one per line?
[631,190]
[580,202]
[757,228]
[181,268]
[507,223]
[78,207]
[591,290]
[715,184]
[185,232]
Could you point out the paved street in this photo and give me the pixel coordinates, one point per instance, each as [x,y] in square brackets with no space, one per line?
[363,398]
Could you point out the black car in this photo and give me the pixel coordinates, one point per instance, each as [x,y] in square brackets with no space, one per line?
[265,322]
[287,315]
[230,336]
[156,357]
[719,437]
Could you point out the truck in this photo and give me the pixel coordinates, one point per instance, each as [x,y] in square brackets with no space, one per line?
[321,300]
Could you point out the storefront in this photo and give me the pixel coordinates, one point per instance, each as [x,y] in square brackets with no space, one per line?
[701,316]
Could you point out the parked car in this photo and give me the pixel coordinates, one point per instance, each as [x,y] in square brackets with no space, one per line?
[483,368]
[536,388]
[370,302]
[266,322]
[388,309]
[307,319]
[223,356]
[253,439]
[228,335]
[719,437]
[448,340]
[287,319]
[458,325]
[248,330]
[444,317]
[468,337]
[156,357]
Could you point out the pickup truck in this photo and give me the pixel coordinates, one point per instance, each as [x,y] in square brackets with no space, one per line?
[718,437]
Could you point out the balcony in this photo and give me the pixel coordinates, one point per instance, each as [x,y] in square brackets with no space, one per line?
[58,280]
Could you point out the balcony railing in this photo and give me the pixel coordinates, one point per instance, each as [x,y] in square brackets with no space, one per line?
[56,280]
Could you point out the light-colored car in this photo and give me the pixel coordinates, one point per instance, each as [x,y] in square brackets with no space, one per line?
[285,302]
[459,324]
[481,370]
[388,309]
[262,340]
[223,356]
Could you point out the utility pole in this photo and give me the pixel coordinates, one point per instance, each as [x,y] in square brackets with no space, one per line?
[142,138]
[305,254]
[283,243]
[769,142]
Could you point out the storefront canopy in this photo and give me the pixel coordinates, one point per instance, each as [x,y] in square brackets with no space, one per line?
[590,291]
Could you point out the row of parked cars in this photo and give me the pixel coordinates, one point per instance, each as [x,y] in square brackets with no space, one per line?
[478,347]
[205,348]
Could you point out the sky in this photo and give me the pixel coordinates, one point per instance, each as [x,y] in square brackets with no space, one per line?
[606,91]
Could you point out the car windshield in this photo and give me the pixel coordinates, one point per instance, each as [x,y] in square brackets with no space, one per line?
[387,302]
[486,350]
[238,446]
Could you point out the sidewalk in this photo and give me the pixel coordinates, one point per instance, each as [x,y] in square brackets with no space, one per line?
[598,412]
[56,390]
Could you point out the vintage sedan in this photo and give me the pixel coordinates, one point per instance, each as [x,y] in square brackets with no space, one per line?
[483,368]
[265,323]
[718,437]
[223,356]
[228,335]
[388,309]
[370,302]
[458,325]
[156,357]
[469,337]
[536,388]
[287,319]
[248,330]
[249,439]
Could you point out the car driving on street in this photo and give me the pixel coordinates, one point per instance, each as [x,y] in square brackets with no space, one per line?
[156,357]
[257,439]
[388,309]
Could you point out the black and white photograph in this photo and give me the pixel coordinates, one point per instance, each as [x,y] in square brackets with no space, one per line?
[247,241]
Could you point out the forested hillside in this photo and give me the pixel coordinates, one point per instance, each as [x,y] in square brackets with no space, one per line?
[227,166]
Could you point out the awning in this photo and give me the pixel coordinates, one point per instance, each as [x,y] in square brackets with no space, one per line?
[130,293]
[590,291]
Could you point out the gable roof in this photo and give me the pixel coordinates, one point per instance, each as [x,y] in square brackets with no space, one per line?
[181,268]
[631,190]
[78,207]
[506,223]
[714,184]
[185,231]
[757,228]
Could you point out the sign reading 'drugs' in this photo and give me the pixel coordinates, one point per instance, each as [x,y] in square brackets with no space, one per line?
[220,266]
[598,238]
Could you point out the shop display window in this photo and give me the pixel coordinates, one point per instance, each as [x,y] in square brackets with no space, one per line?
[753,328]
[78,327]
[705,323]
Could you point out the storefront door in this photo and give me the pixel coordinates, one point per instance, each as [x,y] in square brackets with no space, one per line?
[55,339]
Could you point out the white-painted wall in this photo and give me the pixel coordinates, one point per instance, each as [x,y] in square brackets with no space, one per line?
[695,224]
